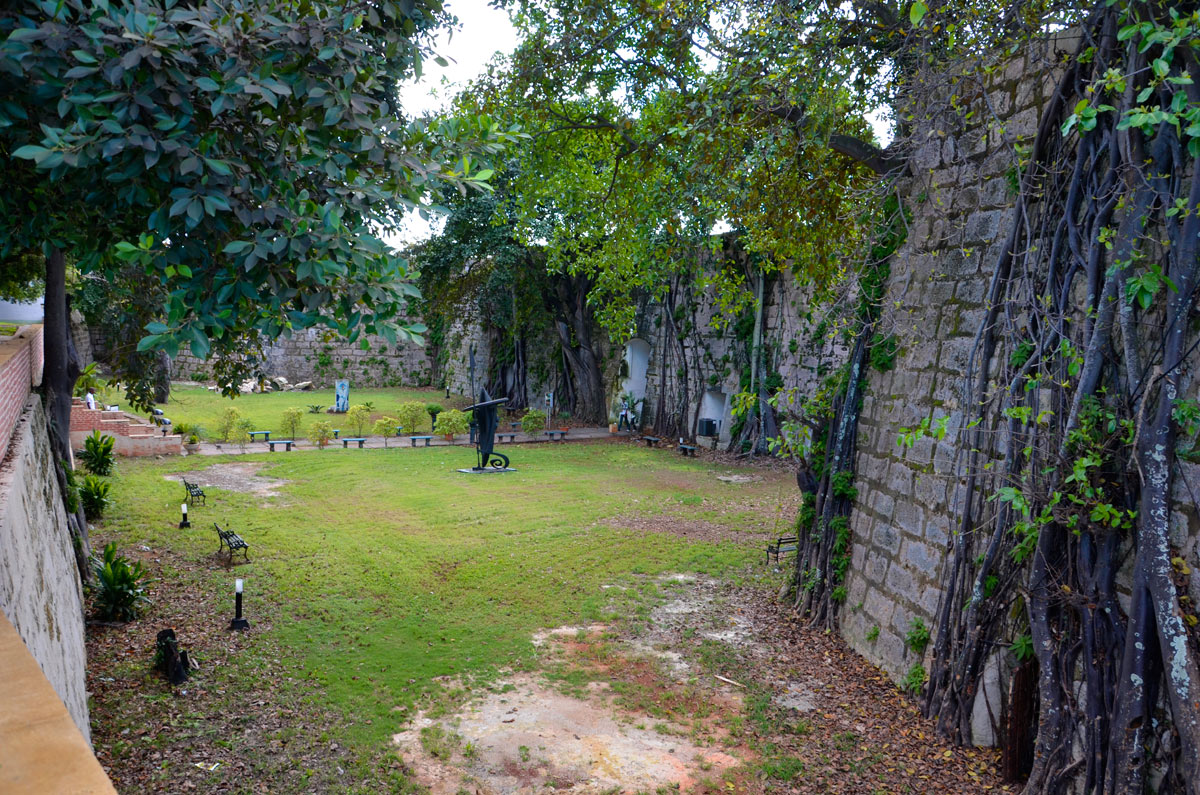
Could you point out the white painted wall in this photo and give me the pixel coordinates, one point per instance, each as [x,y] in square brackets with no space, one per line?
[637,362]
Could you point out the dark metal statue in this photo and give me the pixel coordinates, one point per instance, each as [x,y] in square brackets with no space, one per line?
[485,416]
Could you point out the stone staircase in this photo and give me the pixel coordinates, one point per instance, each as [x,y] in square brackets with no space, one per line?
[132,436]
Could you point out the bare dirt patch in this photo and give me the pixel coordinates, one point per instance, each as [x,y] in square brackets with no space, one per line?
[691,529]
[526,737]
[241,477]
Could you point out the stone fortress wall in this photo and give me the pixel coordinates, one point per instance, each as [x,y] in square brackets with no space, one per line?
[959,191]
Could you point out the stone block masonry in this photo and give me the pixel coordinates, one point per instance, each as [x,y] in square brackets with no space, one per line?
[315,355]
[960,194]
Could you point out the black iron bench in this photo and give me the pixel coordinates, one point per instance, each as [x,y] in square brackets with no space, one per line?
[194,493]
[233,542]
[651,440]
[287,442]
[559,435]
[781,546]
[266,435]
[413,439]
[346,442]
[512,437]
[687,449]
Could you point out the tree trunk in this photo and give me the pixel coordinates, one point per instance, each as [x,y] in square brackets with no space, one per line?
[60,370]
[573,322]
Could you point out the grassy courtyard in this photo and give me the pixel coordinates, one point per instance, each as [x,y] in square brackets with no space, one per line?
[376,574]
[197,405]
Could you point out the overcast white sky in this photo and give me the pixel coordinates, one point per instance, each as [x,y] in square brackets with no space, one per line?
[483,31]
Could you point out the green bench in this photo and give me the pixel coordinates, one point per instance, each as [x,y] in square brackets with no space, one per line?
[346,442]
[286,442]
[781,546]
[413,440]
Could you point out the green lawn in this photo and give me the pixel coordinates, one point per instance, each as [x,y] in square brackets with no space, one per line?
[198,406]
[379,570]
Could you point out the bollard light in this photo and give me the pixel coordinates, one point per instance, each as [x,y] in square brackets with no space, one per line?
[238,622]
[184,522]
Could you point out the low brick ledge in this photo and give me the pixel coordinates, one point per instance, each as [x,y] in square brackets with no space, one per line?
[41,749]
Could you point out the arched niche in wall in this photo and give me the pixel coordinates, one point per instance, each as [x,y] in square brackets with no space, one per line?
[712,407]
[637,363]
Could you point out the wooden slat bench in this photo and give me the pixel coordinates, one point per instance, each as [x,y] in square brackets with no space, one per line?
[413,440]
[346,442]
[233,542]
[782,546]
[512,437]
[687,449]
[194,493]
[286,442]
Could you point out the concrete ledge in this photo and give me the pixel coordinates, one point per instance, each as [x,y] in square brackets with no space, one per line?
[41,749]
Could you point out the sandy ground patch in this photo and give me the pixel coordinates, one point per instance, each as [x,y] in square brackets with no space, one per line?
[525,737]
[232,477]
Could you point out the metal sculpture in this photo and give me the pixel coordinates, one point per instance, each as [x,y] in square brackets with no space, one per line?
[485,417]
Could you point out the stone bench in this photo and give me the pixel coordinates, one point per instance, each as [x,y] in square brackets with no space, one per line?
[555,435]
[266,435]
[651,440]
[346,442]
[512,437]
[687,450]
[413,440]
[286,442]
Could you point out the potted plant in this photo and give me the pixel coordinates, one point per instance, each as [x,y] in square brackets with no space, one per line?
[192,444]
[450,422]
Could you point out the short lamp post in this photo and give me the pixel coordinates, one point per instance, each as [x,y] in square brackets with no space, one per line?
[184,521]
[238,622]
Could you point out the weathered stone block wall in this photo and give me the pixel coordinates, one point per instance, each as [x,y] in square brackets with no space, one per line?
[710,357]
[960,194]
[39,585]
[315,355]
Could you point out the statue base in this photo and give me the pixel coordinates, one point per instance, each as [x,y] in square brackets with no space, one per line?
[486,470]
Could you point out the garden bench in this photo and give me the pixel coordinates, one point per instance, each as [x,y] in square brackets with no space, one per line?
[782,545]
[512,437]
[413,439]
[287,442]
[346,442]
[233,542]
[651,440]
[336,431]
[687,449]
[194,492]
[266,435]
[516,426]
[559,435]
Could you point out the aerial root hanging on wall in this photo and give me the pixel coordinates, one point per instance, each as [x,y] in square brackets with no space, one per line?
[1072,457]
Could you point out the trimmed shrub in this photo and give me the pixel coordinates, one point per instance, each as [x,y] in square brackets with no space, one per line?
[97,454]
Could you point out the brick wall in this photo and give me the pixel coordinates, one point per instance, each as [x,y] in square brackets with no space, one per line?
[20,371]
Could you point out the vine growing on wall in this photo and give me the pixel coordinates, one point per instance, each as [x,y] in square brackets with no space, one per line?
[1078,415]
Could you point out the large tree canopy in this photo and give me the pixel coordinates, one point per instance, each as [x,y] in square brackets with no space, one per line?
[230,166]
[245,155]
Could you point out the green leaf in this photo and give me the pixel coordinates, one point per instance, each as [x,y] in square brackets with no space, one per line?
[237,247]
[31,152]
[207,84]
[916,13]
